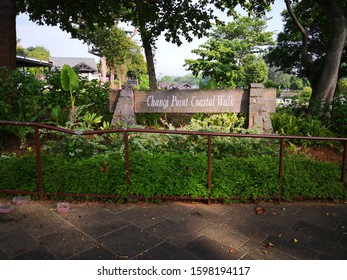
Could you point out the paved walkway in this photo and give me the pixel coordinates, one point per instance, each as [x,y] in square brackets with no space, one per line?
[175,230]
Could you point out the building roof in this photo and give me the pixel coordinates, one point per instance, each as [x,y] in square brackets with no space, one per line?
[175,86]
[82,64]
[23,61]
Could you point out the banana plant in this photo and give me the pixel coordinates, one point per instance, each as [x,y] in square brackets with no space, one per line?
[69,82]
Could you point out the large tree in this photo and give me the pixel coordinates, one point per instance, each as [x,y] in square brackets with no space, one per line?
[38,52]
[313,45]
[8,34]
[117,49]
[233,54]
[176,18]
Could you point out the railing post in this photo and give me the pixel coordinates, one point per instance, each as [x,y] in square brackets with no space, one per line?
[209,167]
[127,163]
[280,174]
[344,163]
[38,162]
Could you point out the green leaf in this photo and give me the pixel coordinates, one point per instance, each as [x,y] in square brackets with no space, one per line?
[64,78]
[69,79]
[57,112]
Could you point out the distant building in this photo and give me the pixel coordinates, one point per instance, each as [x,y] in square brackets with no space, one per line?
[177,86]
[23,61]
[85,66]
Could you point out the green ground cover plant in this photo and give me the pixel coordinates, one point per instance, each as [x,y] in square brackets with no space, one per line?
[179,172]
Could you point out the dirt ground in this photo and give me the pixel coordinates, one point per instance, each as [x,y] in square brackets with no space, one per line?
[323,154]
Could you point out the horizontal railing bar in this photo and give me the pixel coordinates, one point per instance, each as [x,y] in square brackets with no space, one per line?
[163,131]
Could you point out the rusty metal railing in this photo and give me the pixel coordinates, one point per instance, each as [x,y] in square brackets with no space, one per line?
[42,194]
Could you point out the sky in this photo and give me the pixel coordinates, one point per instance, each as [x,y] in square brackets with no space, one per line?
[169,59]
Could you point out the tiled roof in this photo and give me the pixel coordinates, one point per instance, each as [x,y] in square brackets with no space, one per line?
[83,64]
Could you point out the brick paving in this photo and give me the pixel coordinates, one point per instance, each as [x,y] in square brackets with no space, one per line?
[175,231]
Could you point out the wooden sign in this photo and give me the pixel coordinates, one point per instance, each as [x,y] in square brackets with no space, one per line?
[190,101]
[194,101]
[257,102]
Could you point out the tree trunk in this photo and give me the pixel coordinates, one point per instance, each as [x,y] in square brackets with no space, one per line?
[112,75]
[326,86]
[8,34]
[103,70]
[122,71]
[324,81]
[147,46]
[153,84]
[328,79]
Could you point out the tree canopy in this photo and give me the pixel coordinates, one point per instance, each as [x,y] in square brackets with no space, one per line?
[38,52]
[313,45]
[119,50]
[173,18]
[233,54]
[287,53]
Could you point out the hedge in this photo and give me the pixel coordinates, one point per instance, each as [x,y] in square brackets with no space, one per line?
[182,174]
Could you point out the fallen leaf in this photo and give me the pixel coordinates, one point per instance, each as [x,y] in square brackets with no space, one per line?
[264,251]
[260,210]
[121,257]
[232,250]
[268,245]
[273,213]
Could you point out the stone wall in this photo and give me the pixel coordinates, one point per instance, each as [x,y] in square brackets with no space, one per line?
[258,115]
[124,109]
[258,102]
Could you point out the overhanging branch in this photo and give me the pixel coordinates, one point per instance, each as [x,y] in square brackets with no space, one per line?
[304,49]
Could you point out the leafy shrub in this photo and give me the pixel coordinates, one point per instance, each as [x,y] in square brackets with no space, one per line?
[18,173]
[175,174]
[303,98]
[227,122]
[91,92]
[195,144]
[101,174]
[286,124]
[76,146]
[21,96]
[246,177]
[168,174]
[309,178]
[148,119]
[24,98]
[338,118]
